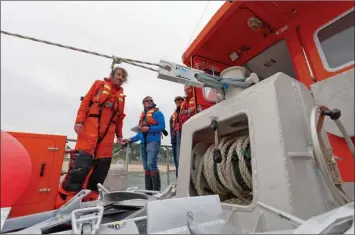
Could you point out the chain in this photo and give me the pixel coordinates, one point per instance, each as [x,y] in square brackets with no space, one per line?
[116,60]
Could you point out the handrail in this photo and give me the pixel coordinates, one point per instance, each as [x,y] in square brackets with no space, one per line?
[168,159]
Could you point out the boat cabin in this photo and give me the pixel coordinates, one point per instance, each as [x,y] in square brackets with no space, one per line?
[310,41]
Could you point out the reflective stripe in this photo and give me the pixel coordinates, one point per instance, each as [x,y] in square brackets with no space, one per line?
[107,87]
[106,92]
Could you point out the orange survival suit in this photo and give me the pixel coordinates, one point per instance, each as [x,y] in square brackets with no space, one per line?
[184,115]
[189,102]
[101,112]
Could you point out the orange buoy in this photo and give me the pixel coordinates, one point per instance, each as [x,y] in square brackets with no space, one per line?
[16,170]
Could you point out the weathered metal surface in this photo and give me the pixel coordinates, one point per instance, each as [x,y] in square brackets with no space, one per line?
[118,227]
[4,214]
[278,111]
[36,222]
[337,93]
[171,215]
[115,197]
[336,221]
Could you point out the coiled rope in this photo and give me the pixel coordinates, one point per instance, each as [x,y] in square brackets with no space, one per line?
[231,178]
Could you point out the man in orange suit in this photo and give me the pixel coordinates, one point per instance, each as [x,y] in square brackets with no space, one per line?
[99,120]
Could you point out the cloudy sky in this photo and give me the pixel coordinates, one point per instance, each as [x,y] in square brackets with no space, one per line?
[41,85]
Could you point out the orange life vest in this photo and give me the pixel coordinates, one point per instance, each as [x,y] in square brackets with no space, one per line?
[105,98]
[184,114]
[150,120]
[175,119]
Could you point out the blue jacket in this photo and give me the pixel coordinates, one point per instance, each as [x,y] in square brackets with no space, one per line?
[155,131]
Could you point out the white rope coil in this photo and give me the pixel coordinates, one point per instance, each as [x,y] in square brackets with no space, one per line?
[230,178]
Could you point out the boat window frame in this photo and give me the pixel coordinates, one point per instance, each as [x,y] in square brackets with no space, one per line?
[320,48]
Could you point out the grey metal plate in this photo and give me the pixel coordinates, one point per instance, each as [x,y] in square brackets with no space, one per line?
[50,223]
[319,224]
[337,92]
[114,197]
[172,213]
[119,227]
[4,214]
[133,202]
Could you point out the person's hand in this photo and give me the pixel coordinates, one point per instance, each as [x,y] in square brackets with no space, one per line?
[78,127]
[119,140]
[126,141]
[145,129]
[191,109]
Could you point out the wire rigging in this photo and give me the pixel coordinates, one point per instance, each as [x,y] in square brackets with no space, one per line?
[116,60]
[198,23]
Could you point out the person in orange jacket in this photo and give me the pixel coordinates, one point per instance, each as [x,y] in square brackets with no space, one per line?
[187,110]
[174,120]
[99,120]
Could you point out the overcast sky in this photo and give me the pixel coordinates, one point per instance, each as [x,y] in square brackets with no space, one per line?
[41,85]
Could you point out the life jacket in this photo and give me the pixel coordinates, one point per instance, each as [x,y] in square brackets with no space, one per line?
[184,114]
[149,118]
[108,103]
[106,98]
[175,119]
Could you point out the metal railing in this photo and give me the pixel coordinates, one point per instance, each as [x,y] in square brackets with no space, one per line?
[168,161]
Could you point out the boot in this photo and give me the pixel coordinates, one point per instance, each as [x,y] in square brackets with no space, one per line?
[156,180]
[148,181]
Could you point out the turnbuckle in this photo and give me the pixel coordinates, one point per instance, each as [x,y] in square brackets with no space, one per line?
[87,220]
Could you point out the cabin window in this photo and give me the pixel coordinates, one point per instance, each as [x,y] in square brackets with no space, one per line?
[335,42]
[276,58]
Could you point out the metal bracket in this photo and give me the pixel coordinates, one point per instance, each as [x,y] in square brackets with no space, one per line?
[102,190]
[52,149]
[44,190]
[131,189]
[324,156]
[168,193]
[87,220]
[283,215]
[74,203]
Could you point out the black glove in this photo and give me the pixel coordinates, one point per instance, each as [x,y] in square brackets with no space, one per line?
[165,133]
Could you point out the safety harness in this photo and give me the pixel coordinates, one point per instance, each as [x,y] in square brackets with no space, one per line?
[101,99]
